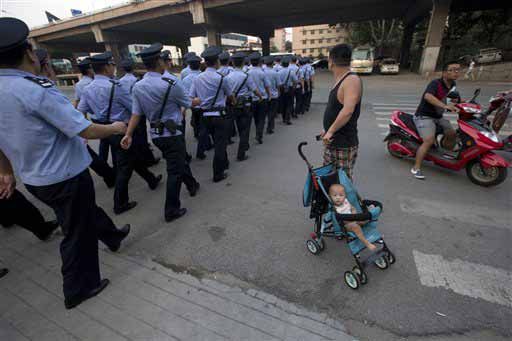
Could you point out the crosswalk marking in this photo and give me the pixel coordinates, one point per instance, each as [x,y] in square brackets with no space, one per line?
[470,279]
[470,214]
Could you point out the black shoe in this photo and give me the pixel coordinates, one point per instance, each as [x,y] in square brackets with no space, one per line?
[110,183]
[52,226]
[231,141]
[124,232]
[125,208]
[220,178]
[194,191]
[270,132]
[181,212]
[3,272]
[288,123]
[74,301]
[243,158]
[201,157]
[259,140]
[155,184]
[188,158]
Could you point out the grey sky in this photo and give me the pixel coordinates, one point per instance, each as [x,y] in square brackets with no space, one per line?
[32,12]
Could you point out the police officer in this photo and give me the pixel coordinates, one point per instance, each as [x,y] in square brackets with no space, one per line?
[40,135]
[212,91]
[194,62]
[242,87]
[277,65]
[287,81]
[186,70]
[144,152]
[162,98]
[299,89]
[274,93]
[259,107]
[225,69]
[111,102]
[296,92]
[98,164]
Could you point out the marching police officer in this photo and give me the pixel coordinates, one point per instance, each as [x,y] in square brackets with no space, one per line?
[224,69]
[87,77]
[212,91]
[161,99]
[274,93]
[41,133]
[129,79]
[287,81]
[299,89]
[259,107]
[242,87]
[111,102]
[186,70]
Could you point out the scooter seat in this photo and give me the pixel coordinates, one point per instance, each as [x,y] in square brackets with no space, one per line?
[408,120]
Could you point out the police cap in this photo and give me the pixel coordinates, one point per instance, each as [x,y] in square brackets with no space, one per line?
[102,58]
[187,55]
[224,56]
[255,56]
[85,63]
[211,53]
[127,63]
[165,55]
[238,56]
[151,52]
[285,60]
[194,59]
[14,34]
[268,59]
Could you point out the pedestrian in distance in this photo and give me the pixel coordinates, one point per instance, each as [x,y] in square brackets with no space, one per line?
[42,142]
[340,136]
[111,102]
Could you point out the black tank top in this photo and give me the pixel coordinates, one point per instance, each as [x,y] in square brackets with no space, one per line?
[346,136]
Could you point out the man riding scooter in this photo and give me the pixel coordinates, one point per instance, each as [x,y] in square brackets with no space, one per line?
[429,115]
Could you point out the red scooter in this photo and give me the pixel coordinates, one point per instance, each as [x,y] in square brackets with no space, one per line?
[502,104]
[475,142]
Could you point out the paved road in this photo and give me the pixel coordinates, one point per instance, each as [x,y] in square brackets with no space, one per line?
[451,238]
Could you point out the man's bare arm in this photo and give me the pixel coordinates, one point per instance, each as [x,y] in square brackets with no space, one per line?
[437,103]
[350,92]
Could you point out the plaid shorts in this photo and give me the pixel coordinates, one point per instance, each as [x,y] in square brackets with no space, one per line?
[344,158]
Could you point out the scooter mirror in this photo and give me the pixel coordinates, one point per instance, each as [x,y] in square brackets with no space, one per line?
[477,92]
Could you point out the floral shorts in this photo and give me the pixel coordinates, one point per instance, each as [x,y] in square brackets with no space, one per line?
[344,158]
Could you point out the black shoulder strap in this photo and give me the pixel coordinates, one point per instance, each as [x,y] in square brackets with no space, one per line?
[164,103]
[242,85]
[111,99]
[45,83]
[287,78]
[218,90]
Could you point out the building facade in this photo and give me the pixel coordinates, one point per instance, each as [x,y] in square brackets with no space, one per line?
[278,43]
[316,40]
[229,41]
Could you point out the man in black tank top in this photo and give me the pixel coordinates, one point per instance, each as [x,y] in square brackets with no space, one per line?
[342,111]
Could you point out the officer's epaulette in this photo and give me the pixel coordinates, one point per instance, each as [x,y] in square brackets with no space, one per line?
[168,80]
[114,81]
[220,74]
[45,83]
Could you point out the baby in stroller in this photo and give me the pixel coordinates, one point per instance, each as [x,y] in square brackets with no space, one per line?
[343,206]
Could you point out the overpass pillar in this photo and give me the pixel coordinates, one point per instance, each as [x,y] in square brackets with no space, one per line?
[436,27]
[405,49]
[213,37]
[265,44]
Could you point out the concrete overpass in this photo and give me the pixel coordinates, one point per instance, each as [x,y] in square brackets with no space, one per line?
[173,22]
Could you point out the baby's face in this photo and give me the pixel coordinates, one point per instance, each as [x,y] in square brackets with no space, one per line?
[338,196]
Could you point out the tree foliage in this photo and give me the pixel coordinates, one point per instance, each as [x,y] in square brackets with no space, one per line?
[379,34]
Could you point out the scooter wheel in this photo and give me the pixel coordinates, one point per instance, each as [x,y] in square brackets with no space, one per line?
[489,177]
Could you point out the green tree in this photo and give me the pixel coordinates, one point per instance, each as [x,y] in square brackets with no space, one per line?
[379,34]
[288,46]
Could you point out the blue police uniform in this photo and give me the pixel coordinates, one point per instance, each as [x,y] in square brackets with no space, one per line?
[111,102]
[259,108]
[80,86]
[299,92]
[128,81]
[274,94]
[148,97]
[40,129]
[195,119]
[287,81]
[212,89]
[243,88]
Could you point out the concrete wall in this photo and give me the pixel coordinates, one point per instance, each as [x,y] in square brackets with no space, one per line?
[494,72]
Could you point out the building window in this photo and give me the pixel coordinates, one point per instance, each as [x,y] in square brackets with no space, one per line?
[311,50]
[320,31]
[338,30]
[329,31]
[329,40]
[304,51]
[312,41]
[312,31]
[304,42]
[320,41]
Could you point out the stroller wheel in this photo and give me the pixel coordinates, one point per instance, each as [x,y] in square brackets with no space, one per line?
[313,246]
[362,275]
[352,280]
[391,258]
[382,263]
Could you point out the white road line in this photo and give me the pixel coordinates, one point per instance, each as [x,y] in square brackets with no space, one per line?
[465,278]
[383,125]
[470,214]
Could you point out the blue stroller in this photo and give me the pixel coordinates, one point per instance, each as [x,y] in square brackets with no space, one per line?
[328,223]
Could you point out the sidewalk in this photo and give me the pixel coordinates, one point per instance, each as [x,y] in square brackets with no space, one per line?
[145,301]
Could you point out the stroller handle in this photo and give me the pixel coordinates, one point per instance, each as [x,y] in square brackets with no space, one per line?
[301,153]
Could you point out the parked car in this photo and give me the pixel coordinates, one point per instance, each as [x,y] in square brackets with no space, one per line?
[389,66]
[490,55]
[320,64]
